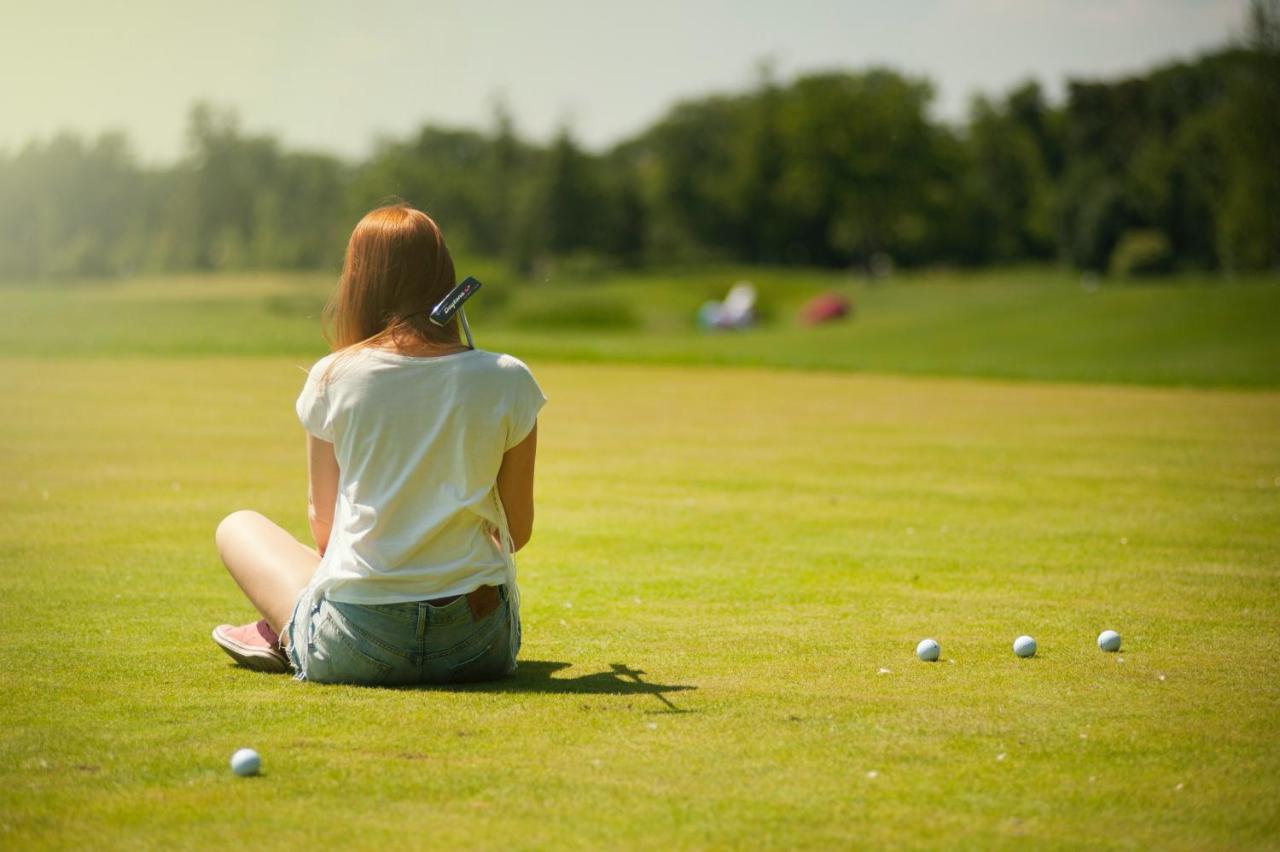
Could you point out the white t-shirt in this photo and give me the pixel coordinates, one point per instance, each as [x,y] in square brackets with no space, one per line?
[419,441]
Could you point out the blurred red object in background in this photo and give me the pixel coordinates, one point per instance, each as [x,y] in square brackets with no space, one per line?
[825,308]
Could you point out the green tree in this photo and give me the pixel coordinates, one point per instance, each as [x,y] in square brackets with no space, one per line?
[1143,154]
[572,202]
[859,175]
[1249,221]
[757,162]
[1015,149]
[70,207]
[685,162]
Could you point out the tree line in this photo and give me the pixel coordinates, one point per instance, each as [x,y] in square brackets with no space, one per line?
[1178,168]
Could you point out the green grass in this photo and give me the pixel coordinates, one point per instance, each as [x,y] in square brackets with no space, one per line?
[765,547]
[731,568]
[1035,324]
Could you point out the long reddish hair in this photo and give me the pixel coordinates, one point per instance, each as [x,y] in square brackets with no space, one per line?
[396,269]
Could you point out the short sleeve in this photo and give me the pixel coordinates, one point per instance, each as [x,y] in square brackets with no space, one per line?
[313,405]
[526,400]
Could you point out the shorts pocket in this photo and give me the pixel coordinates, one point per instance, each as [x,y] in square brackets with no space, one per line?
[379,629]
[337,655]
[488,659]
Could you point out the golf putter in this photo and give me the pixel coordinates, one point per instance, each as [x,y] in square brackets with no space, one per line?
[452,304]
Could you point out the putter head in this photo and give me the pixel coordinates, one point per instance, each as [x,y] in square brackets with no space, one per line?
[444,312]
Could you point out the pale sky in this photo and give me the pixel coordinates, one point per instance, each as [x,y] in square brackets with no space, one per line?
[331,76]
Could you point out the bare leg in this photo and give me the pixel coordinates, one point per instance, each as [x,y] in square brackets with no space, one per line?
[269,564]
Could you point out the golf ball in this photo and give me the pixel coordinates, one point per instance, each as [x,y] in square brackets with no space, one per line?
[1109,640]
[1024,646]
[928,650]
[246,762]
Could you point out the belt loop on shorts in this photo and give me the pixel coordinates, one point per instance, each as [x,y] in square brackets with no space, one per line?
[423,616]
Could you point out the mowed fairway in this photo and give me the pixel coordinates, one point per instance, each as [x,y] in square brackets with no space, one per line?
[729,573]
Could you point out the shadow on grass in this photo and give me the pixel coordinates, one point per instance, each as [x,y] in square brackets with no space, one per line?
[536,676]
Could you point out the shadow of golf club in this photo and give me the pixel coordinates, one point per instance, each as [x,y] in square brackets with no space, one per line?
[537,676]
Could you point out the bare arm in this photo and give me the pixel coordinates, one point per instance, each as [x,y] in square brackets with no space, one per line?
[515,487]
[322,489]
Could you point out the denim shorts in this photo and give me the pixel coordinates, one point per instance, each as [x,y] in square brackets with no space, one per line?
[405,643]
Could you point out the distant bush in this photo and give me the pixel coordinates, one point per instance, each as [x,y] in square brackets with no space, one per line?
[578,310]
[1097,213]
[1142,252]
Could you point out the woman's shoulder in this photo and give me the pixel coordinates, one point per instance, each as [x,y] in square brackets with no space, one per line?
[320,365]
[498,362]
[321,372]
[505,374]
[499,366]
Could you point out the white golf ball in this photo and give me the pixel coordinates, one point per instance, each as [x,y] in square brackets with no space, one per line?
[1109,640]
[246,762]
[928,650]
[1024,646]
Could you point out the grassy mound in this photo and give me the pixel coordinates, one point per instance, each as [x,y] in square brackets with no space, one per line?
[1026,324]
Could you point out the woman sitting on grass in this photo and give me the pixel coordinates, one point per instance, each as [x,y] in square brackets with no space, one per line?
[420,455]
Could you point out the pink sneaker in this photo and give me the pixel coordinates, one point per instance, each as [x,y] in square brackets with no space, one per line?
[255,646]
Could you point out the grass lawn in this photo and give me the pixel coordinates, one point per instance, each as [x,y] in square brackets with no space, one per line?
[730,571]
[731,568]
